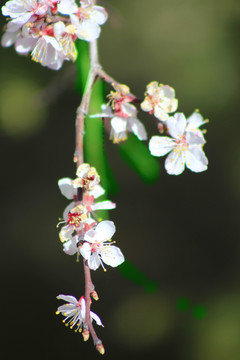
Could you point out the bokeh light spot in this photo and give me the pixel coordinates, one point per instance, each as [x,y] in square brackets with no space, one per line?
[142,320]
[22,112]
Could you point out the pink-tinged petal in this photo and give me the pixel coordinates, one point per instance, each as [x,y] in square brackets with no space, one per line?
[112,255]
[25,45]
[176,125]
[196,160]
[66,188]
[195,138]
[105,230]
[104,205]
[70,247]
[68,298]
[99,15]
[175,163]
[119,124]
[9,38]
[135,126]
[67,308]
[96,318]
[88,30]
[85,251]
[94,262]
[161,145]
[160,114]
[14,9]
[67,7]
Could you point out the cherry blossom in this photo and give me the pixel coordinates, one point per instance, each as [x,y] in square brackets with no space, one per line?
[74,312]
[98,248]
[159,100]
[185,146]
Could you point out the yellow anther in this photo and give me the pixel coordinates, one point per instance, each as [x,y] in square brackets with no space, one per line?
[57,312]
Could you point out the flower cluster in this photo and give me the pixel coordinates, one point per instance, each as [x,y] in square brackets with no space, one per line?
[123,115]
[48,29]
[186,140]
[82,233]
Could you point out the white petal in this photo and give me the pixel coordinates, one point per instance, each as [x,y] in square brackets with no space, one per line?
[175,163]
[94,262]
[176,125]
[85,251]
[168,91]
[15,24]
[9,38]
[134,125]
[119,124]
[106,112]
[67,209]
[65,233]
[66,188]
[25,45]
[70,247]
[196,160]
[59,28]
[160,145]
[129,109]
[91,236]
[68,298]
[88,30]
[97,191]
[195,138]
[105,230]
[107,205]
[146,105]
[112,255]
[160,113]
[194,121]
[96,318]
[67,7]
[99,15]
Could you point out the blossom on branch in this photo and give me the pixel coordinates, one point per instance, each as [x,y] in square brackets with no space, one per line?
[185,144]
[97,247]
[74,312]
[159,100]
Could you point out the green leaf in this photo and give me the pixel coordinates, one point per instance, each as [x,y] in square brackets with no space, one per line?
[136,154]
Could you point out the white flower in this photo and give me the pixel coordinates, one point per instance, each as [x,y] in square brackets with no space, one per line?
[185,147]
[48,52]
[75,312]
[98,247]
[87,177]
[160,100]
[86,19]
[121,125]
[65,35]
[22,10]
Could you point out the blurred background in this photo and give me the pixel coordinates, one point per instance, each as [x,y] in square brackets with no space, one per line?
[181,232]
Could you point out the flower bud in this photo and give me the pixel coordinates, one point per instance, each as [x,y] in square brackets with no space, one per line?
[85,335]
[94,295]
[100,348]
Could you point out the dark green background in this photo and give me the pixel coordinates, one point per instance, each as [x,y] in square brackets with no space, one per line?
[182,232]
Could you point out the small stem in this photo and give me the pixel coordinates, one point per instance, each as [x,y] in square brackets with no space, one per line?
[89,287]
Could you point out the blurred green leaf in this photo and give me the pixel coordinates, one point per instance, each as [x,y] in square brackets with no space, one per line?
[136,154]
